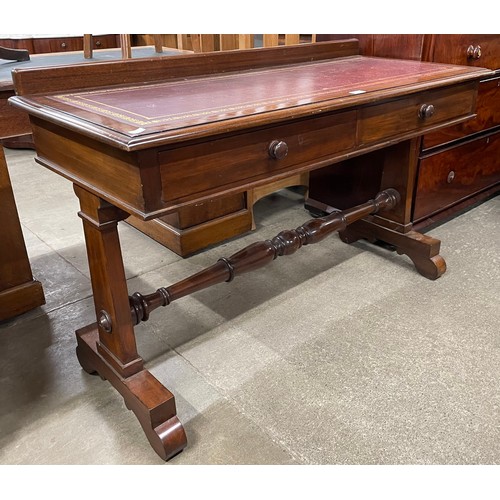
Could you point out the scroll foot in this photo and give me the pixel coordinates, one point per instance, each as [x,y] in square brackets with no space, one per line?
[152,403]
[421,249]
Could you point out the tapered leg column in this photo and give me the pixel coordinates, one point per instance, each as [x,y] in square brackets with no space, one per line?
[109,347]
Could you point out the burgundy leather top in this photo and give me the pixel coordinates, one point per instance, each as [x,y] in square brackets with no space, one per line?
[144,109]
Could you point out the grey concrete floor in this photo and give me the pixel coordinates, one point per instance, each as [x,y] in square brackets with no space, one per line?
[339,354]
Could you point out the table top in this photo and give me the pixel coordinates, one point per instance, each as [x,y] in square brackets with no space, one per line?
[134,116]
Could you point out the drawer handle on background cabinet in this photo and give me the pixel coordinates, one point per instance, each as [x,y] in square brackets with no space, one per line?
[278,150]
[63,45]
[473,52]
[426,111]
[450,177]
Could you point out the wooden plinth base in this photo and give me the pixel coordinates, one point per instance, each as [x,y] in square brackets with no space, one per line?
[152,403]
[421,249]
[20,299]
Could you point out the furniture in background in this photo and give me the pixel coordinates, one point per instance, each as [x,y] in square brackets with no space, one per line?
[213,132]
[14,54]
[45,44]
[194,227]
[458,166]
[16,127]
[19,292]
[125,44]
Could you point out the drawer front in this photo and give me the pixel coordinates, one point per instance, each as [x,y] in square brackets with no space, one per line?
[469,50]
[63,44]
[202,169]
[451,176]
[488,116]
[401,116]
[104,42]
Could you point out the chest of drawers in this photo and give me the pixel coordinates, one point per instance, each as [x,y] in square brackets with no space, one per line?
[457,166]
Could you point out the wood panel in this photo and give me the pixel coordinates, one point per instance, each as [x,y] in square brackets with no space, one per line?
[488,116]
[19,292]
[455,49]
[449,177]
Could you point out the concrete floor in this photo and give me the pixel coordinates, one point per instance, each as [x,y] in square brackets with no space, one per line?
[336,355]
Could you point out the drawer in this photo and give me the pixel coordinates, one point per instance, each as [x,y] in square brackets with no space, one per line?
[488,116]
[468,50]
[104,41]
[404,116]
[452,175]
[59,44]
[199,169]
[72,43]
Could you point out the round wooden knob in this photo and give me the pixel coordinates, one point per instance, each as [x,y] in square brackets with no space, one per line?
[450,177]
[426,111]
[474,52]
[278,149]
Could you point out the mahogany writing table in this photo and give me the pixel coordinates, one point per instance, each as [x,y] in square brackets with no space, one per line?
[148,136]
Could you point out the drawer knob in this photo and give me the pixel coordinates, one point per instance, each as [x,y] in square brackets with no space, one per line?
[426,111]
[278,149]
[450,177]
[98,43]
[63,45]
[474,52]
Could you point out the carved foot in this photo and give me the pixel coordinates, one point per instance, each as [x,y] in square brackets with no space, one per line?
[421,249]
[152,403]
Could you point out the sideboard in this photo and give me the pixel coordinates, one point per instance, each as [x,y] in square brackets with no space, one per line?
[44,44]
[458,166]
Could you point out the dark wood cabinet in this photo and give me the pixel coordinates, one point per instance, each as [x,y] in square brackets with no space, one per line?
[55,43]
[457,166]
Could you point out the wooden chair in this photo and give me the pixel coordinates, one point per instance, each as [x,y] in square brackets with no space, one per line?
[125,45]
[14,54]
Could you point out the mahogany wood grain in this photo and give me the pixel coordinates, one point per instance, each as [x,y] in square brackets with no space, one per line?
[260,254]
[19,292]
[452,175]
[398,46]
[13,122]
[453,49]
[222,145]
[133,72]
[473,50]
[100,221]
[488,116]
[44,45]
[423,250]
[153,404]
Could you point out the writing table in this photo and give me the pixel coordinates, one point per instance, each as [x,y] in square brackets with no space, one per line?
[146,137]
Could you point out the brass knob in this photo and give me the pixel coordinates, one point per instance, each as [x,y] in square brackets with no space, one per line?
[450,177]
[473,52]
[98,43]
[63,45]
[426,111]
[278,149]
